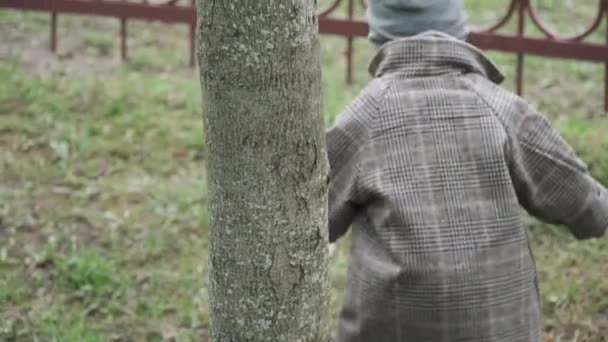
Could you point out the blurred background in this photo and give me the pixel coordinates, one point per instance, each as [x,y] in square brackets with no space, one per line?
[102,173]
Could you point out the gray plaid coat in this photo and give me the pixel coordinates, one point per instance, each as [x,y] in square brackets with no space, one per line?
[430,164]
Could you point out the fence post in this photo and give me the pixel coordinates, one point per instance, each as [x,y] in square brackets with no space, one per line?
[605,9]
[54,32]
[349,45]
[123,37]
[192,37]
[521,27]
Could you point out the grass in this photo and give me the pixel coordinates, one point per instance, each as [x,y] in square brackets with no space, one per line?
[102,194]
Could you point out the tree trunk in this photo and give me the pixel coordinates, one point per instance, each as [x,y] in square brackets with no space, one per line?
[266,169]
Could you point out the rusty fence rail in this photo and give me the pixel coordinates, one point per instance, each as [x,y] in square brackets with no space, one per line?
[551,44]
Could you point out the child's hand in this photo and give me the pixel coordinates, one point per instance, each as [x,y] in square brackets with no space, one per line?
[332,249]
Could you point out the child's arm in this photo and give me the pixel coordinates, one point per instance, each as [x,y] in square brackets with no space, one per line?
[345,142]
[551,182]
[342,152]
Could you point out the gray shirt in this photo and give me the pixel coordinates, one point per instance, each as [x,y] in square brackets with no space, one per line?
[392,19]
[430,164]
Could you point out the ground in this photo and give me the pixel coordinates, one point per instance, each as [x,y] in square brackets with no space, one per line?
[102,187]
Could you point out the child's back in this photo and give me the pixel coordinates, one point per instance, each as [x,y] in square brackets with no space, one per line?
[430,164]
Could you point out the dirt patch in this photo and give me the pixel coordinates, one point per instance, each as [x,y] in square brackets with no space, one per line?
[94,50]
[32,51]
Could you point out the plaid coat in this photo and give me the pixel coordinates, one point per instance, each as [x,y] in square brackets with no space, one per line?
[430,165]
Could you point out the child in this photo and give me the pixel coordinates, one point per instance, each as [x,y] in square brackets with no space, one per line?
[430,164]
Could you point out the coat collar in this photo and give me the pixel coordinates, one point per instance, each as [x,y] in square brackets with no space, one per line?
[432,54]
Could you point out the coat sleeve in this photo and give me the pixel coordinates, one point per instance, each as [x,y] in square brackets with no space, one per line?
[550,181]
[345,142]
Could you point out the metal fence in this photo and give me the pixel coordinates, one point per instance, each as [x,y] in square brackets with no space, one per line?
[550,44]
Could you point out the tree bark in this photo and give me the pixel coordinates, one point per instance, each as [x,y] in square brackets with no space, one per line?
[266,170]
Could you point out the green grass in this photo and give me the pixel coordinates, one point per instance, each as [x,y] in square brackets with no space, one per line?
[102,193]
[86,270]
